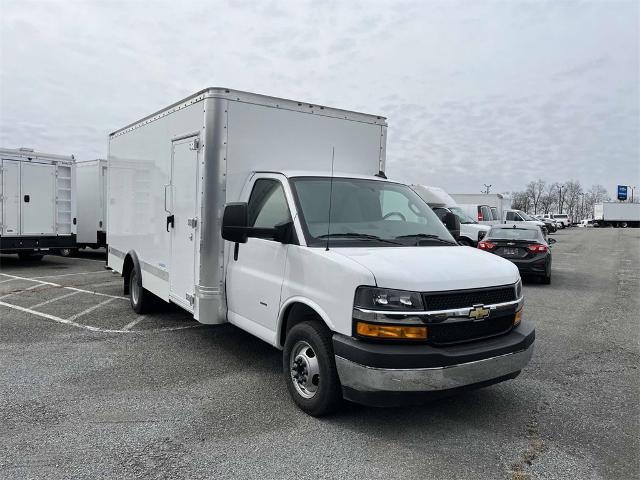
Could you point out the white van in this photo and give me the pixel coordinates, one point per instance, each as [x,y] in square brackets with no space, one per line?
[37,202]
[471,232]
[275,215]
[481,213]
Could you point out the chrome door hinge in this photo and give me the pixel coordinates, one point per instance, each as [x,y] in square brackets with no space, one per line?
[189,298]
[192,222]
[194,144]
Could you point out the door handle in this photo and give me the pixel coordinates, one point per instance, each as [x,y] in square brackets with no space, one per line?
[170,221]
[165,197]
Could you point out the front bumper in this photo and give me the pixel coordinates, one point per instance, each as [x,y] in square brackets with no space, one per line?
[382,374]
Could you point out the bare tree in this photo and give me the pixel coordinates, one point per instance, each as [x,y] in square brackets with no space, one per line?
[534,191]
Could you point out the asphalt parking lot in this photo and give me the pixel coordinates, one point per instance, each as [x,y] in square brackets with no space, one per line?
[88,389]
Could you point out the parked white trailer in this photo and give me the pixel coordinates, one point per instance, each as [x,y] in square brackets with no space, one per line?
[471,232]
[91,181]
[497,203]
[275,215]
[37,202]
[617,214]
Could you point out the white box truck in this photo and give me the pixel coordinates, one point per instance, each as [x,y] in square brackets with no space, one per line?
[91,176]
[471,232]
[497,203]
[37,202]
[276,216]
[617,214]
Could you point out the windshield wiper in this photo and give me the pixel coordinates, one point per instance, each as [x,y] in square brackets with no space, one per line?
[362,236]
[427,236]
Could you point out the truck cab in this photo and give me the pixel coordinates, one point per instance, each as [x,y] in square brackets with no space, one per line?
[367,292]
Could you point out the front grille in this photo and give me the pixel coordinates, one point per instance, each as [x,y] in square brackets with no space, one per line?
[468,298]
[458,332]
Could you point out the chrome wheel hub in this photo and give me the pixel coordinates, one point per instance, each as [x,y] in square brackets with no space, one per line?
[305,370]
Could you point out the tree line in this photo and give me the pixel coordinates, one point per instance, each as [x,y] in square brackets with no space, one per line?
[570,197]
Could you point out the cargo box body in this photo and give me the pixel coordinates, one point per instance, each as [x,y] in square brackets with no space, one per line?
[91,183]
[171,174]
[37,201]
[617,214]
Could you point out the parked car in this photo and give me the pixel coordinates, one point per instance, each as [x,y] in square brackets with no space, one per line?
[524,245]
[549,223]
[511,216]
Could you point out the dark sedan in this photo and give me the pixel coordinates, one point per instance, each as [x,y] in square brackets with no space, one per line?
[525,245]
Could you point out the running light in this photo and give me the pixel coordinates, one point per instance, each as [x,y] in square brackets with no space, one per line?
[486,245]
[397,332]
[537,248]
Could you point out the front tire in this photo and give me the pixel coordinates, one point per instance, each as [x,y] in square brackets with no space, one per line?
[309,369]
[142,301]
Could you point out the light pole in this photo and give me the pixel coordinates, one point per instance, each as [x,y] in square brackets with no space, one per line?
[560,199]
[487,189]
[582,207]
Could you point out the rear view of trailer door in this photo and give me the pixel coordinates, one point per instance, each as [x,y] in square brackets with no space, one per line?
[181,198]
[10,198]
[38,199]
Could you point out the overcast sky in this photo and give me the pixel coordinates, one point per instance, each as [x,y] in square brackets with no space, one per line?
[475,92]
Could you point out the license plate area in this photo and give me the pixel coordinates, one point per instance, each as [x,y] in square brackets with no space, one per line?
[511,251]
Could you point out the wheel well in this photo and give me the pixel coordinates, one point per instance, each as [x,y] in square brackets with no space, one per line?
[126,272]
[294,314]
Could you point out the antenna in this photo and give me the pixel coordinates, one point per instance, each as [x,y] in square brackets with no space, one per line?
[333,156]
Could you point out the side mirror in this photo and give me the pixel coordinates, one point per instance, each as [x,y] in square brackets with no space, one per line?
[453,224]
[551,241]
[234,222]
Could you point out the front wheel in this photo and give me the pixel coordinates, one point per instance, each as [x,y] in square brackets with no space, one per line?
[309,369]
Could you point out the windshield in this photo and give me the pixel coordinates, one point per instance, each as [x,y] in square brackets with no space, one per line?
[463,217]
[365,213]
[509,233]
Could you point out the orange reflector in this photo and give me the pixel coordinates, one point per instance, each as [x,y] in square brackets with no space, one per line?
[391,331]
[518,318]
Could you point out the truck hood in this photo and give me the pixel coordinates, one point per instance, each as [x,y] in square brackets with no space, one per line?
[427,269]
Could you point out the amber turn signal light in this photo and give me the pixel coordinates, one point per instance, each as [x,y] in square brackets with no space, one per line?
[399,332]
[518,318]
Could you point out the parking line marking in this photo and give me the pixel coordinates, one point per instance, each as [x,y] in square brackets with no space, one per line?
[20,291]
[132,324]
[54,299]
[69,274]
[89,310]
[90,327]
[8,280]
[62,286]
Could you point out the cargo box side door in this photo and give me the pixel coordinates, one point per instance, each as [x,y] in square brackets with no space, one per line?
[181,220]
[10,198]
[38,199]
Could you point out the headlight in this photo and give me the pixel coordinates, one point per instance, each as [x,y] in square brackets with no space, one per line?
[518,288]
[373,298]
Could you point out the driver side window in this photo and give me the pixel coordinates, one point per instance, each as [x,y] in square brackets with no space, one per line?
[267,205]
[511,216]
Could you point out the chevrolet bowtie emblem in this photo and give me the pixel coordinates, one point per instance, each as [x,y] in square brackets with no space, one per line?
[478,312]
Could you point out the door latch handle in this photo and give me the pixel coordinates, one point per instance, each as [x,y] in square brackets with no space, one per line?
[26,199]
[170,221]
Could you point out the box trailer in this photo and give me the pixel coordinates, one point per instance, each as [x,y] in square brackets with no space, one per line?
[91,181]
[496,202]
[616,214]
[276,216]
[37,202]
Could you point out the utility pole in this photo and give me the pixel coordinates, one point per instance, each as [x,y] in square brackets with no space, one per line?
[560,199]
[487,189]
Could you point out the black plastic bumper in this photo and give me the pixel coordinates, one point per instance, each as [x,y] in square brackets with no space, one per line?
[30,243]
[382,355]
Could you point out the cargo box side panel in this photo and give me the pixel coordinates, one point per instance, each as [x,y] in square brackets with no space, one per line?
[38,198]
[267,138]
[139,174]
[65,199]
[88,192]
